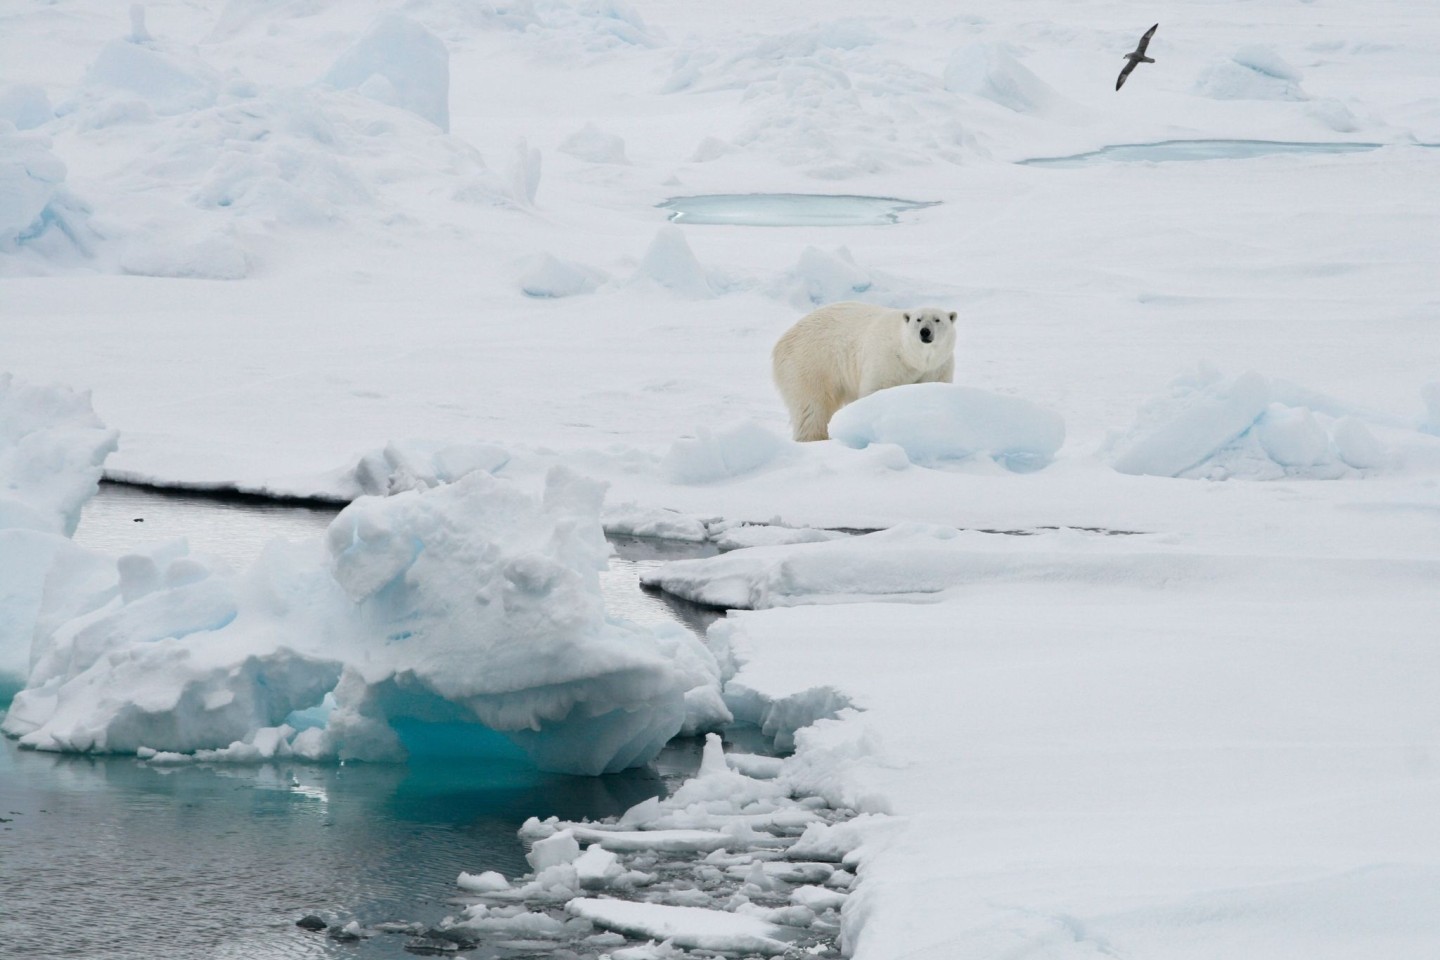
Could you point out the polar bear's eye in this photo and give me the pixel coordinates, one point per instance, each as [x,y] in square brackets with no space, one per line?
[907,318]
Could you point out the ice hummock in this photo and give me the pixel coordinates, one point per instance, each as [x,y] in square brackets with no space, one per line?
[940,422]
[401,63]
[52,450]
[1211,426]
[464,619]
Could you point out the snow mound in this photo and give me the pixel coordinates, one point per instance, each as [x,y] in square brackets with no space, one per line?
[990,71]
[720,454]
[1211,427]
[546,276]
[164,79]
[820,277]
[1252,73]
[939,422]
[37,212]
[26,105]
[400,63]
[467,619]
[594,145]
[671,263]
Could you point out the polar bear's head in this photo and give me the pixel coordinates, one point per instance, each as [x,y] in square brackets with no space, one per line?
[928,336]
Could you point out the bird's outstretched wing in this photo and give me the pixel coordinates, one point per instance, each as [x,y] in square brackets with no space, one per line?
[1125,72]
[1145,40]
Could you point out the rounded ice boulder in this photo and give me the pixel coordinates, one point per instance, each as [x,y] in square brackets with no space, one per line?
[940,422]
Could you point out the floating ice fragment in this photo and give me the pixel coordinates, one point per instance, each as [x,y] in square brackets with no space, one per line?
[596,867]
[818,899]
[664,841]
[488,882]
[559,848]
[690,927]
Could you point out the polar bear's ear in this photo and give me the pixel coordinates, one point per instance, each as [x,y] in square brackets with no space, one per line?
[907,318]
[952,316]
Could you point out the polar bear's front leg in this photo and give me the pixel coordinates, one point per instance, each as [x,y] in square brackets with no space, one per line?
[812,421]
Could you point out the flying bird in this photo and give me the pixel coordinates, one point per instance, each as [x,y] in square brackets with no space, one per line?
[1137,57]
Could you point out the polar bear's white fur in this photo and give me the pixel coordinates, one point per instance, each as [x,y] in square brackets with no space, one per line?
[845,351]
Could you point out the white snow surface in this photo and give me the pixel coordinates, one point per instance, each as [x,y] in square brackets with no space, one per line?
[1214,736]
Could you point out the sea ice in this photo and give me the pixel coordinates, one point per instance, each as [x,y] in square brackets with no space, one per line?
[435,621]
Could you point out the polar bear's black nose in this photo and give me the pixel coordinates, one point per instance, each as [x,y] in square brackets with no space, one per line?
[926,335]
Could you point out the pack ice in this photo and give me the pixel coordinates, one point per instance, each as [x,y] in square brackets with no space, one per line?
[467,619]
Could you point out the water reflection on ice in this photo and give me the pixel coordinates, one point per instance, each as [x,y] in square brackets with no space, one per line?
[789,209]
[1167,150]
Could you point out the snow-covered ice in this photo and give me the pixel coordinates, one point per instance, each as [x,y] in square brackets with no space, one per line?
[431,622]
[1168,695]
[939,422]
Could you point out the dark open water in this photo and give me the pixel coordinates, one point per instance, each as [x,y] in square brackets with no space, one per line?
[106,857]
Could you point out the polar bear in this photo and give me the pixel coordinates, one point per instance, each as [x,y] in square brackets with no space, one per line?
[845,351]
